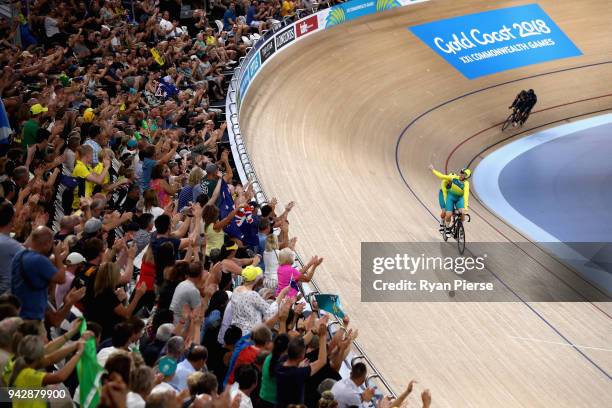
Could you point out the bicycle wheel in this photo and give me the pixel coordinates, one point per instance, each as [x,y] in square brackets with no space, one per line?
[507,122]
[460,238]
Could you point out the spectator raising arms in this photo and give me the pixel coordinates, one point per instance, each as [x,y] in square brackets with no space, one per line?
[121,210]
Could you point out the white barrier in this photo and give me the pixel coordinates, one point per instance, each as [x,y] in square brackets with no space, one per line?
[263,51]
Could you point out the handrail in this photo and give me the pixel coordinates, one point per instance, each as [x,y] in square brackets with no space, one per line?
[262,199]
[247,173]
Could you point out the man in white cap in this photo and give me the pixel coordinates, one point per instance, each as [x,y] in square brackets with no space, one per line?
[74,261]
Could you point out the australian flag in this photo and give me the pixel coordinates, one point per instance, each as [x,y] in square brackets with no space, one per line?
[226,206]
[247,221]
[294,284]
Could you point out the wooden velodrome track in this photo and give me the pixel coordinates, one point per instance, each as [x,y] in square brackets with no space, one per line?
[346,122]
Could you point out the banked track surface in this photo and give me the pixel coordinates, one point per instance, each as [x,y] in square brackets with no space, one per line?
[346,121]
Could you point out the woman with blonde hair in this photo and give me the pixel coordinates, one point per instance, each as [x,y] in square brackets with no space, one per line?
[327,400]
[270,259]
[186,195]
[287,273]
[106,307]
[28,370]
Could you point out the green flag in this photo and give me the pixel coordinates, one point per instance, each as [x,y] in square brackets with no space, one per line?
[89,373]
[331,304]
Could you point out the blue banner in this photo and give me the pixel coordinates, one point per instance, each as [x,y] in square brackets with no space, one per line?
[244,81]
[493,41]
[254,65]
[357,8]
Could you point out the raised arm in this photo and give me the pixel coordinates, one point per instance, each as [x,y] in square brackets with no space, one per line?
[99,178]
[126,312]
[439,175]
[126,275]
[62,374]
[215,194]
[310,270]
[322,358]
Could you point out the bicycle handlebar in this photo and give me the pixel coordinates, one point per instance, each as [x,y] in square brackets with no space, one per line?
[457,214]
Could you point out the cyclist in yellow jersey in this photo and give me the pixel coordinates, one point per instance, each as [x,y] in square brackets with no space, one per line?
[457,195]
[445,185]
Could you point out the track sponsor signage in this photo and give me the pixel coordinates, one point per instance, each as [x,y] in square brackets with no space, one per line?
[267,50]
[254,66]
[244,82]
[307,25]
[358,8]
[499,40]
[264,50]
[285,37]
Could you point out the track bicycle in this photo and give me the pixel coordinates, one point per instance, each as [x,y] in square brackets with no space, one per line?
[457,230]
[514,117]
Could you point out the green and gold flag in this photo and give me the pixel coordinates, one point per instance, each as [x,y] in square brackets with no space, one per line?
[89,373]
[331,304]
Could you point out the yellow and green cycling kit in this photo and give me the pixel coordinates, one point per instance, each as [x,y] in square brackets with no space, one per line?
[455,192]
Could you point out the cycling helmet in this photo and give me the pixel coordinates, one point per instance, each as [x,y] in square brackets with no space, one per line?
[467,172]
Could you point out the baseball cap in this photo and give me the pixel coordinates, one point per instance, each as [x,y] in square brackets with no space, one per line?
[132,143]
[89,115]
[74,258]
[37,109]
[211,168]
[250,273]
[167,366]
[92,226]
[184,153]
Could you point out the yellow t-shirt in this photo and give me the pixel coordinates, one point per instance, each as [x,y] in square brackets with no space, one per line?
[287,8]
[29,378]
[214,239]
[99,169]
[84,188]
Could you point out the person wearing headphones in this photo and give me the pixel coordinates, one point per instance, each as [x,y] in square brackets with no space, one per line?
[457,194]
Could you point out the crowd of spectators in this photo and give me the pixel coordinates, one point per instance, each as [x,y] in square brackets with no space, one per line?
[119,207]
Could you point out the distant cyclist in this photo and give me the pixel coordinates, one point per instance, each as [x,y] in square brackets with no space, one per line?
[518,106]
[457,195]
[531,100]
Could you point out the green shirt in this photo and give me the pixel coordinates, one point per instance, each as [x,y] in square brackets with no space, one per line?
[30,129]
[268,384]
